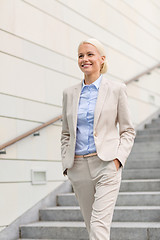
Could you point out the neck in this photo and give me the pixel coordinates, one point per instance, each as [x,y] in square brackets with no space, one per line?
[89,79]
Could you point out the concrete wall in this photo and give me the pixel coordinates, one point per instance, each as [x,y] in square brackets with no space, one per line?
[38,59]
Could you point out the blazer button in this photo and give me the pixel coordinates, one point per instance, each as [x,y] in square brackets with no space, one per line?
[95,134]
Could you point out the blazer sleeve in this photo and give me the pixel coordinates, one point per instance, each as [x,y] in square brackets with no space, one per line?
[126,129]
[65,135]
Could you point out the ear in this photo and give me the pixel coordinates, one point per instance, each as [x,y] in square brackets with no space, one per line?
[103,58]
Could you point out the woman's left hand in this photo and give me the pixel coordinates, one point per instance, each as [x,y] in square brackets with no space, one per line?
[117,163]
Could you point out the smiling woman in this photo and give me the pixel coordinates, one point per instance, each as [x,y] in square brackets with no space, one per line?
[92,59]
[90,62]
[93,152]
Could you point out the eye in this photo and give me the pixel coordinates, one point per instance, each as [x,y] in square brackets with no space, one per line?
[90,54]
[80,56]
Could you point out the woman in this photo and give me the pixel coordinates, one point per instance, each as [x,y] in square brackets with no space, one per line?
[93,150]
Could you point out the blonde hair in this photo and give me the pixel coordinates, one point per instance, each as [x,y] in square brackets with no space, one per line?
[100,49]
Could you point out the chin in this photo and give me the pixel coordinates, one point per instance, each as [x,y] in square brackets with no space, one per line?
[87,72]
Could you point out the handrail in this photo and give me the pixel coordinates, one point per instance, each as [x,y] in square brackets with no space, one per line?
[143,73]
[24,135]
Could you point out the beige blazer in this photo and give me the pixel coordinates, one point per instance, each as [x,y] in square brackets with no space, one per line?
[111,109]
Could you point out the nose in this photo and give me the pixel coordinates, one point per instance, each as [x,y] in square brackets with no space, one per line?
[85,58]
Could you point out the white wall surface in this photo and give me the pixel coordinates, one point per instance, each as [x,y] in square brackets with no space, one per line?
[144,96]
[38,59]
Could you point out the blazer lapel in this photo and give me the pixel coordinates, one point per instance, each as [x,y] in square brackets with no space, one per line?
[76,96]
[103,89]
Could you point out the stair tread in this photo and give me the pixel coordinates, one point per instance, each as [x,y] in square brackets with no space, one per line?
[144,169]
[137,208]
[62,208]
[55,224]
[149,135]
[151,152]
[136,224]
[81,224]
[120,193]
[139,193]
[141,180]
[66,194]
[147,130]
[57,208]
[144,143]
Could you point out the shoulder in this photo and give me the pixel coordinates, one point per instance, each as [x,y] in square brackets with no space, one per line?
[114,86]
[117,88]
[70,90]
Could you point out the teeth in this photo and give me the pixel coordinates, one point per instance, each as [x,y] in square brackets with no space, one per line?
[85,65]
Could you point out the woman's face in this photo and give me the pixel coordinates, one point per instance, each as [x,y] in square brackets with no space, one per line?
[89,59]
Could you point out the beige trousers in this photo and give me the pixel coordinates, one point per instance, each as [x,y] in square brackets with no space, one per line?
[96,185]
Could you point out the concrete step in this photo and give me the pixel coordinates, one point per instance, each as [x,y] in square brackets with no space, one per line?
[148,138]
[157,120]
[67,199]
[121,214]
[124,198]
[139,147]
[145,155]
[135,231]
[141,174]
[148,131]
[141,164]
[77,230]
[59,213]
[153,125]
[54,230]
[140,185]
[137,214]
[138,199]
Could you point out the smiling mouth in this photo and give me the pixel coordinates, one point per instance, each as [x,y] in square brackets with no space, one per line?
[86,65]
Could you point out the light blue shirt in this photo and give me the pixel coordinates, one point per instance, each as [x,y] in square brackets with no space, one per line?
[85,119]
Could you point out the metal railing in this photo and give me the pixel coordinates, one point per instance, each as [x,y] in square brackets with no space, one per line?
[24,135]
[143,73]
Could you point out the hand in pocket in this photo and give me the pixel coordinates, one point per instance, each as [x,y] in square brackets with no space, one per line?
[117,163]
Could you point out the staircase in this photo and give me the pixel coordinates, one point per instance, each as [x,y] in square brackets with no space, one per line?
[137,212]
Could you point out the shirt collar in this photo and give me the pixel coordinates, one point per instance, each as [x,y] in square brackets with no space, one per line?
[95,83]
